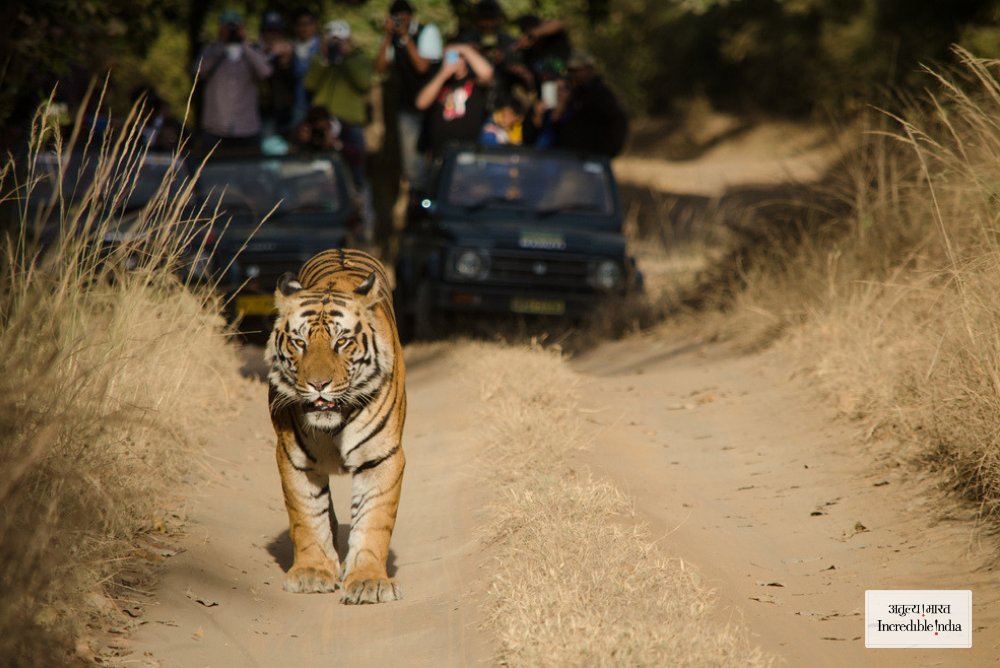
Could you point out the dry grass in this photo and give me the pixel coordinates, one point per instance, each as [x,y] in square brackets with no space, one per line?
[105,378]
[576,580]
[900,314]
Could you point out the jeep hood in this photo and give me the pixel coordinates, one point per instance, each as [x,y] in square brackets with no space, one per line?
[529,234]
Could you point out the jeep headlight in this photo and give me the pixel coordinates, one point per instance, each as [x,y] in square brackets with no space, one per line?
[607,275]
[471,264]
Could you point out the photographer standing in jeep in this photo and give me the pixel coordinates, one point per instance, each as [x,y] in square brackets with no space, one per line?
[407,52]
[231,70]
[339,79]
[456,98]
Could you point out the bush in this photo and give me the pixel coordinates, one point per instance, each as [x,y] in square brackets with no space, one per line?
[107,374]
[899,311]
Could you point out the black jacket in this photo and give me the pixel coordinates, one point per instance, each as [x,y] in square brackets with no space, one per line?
[594,122]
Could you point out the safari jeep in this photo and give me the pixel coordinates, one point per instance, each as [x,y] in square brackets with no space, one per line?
[311,207]
[513,230]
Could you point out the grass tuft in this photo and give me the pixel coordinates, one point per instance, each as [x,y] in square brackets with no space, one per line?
[898,311]
[111,364]
[576,579]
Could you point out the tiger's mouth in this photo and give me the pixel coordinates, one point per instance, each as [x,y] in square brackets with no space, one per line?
[321,405]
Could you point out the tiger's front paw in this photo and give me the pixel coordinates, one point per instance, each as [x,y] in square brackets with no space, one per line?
[310,580]
[371,590]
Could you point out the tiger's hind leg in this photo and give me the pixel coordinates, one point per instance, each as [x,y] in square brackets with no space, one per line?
[312,525]
[374,502]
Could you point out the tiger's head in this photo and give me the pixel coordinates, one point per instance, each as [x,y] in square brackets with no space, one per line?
[330,349]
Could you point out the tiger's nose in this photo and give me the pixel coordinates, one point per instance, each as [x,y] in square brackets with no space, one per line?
[320,384]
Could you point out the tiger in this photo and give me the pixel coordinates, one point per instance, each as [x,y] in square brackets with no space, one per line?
[337,398]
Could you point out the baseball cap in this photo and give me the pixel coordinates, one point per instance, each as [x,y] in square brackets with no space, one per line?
[230,16]
[337,30]
[401,7]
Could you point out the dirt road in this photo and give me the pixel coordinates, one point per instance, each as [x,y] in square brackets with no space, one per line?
[220,602]
[733,462]
[743,470]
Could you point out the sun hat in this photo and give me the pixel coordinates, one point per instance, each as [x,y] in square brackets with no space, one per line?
[337,30]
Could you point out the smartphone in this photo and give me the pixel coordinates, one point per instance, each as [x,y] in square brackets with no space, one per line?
[451,57]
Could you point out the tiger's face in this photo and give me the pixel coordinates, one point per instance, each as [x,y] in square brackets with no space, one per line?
[326,353]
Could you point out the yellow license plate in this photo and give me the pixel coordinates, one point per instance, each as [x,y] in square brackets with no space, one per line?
[538,306]
[255,305]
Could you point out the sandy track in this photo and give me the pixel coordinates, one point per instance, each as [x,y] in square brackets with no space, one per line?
[237,548]
[728,457]
[765,155]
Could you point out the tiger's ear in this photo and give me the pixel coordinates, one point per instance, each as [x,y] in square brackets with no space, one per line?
[288,285]
[367,290]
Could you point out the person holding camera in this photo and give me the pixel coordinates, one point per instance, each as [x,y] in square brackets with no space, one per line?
[231,70]
[305,45]
[277,95]
[339,79]
[456,98]
[408,52]
[510,75]
[318,131]
[545,46]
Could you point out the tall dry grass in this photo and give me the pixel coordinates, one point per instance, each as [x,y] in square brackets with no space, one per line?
[899,312]
[575,579]
[110,364]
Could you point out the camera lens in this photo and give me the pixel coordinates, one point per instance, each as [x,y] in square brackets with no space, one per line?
[333,51]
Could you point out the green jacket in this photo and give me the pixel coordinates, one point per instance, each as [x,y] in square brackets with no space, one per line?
[343,87]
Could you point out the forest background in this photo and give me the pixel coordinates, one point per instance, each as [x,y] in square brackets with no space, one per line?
[789,58]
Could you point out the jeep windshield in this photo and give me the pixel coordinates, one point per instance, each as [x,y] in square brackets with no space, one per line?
[253,187]
[125,189]
[537,183]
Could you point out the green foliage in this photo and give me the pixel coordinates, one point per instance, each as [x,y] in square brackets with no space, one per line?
[772,56]
[41,40]
[782,56]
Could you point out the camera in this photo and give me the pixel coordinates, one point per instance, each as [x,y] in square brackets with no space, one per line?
[317,136]
[333,51]
[231,34]
[397,21]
